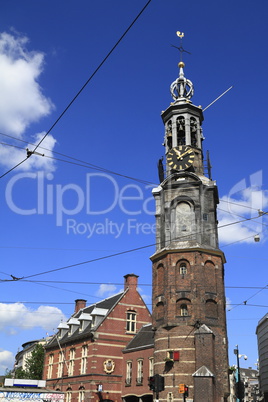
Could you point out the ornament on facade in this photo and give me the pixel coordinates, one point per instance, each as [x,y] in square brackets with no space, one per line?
[108,366]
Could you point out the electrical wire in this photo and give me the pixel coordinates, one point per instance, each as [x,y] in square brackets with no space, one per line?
[82,88]
[113,255]
[83,164]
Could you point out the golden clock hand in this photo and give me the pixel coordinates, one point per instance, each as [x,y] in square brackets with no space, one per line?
[186,152]
[177,152]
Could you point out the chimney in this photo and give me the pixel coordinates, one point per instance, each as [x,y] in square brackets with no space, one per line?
[79,303]
[131,281]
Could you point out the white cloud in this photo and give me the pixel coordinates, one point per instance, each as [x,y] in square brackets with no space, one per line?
[107,290]
[7,360]
[17,317]
[22,102]
[242,206]
[10,156]
[21,99]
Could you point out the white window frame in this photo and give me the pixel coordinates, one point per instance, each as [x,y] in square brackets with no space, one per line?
[131,321]
[83,369]
[50,365]
[71,362]
[129,372]
[60,365]
[139,371]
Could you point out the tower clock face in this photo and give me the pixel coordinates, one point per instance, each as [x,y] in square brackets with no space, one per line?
[180,158]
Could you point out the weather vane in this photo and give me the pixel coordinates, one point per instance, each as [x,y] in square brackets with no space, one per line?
[181,49]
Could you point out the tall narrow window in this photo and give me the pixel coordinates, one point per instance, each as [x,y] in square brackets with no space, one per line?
[183,219]
[71,362]
[169,134]
[129,372]
[84,359]
[81,394]
[160,278]
[131,321]
[151,366]
[69,395]
[180,131]
[50,365]
[139,371]
[60,365]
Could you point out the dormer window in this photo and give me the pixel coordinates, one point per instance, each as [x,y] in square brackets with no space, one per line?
[85,321]
[97,315]
[73,325]
[63,329]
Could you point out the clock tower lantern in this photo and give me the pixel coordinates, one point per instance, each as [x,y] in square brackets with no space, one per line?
[189,317]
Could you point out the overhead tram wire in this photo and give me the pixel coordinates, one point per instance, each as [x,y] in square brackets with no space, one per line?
[83,164]
[110,255]
[80,91]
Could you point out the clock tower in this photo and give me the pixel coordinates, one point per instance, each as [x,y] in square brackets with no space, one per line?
[189,317]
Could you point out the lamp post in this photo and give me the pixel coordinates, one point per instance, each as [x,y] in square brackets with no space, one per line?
[239,384]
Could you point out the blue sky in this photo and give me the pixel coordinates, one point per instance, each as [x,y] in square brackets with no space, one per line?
[56,214]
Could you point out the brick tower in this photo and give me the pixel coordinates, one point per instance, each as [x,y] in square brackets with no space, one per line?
[188,274]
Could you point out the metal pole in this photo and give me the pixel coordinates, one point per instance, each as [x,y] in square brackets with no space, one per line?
[238,375]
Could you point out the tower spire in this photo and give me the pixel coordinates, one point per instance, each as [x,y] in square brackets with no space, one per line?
[182,88]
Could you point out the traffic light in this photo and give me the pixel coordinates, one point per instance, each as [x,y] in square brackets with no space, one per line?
[157,383]
[184,389]
[152,383]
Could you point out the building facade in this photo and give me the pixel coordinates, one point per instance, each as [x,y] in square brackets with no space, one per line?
[84,359]
[138,365]
[262,338]
[189,315]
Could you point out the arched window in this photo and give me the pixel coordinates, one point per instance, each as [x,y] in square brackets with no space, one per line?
[151,366]
[81,394]
[183,268]
[193,130]
[210,277]
[183,307]
[69,394]
[184,216]
[139,371]
[180,131]
[169,134]
[160,309]
[211,309]
[160,272]
[129,372]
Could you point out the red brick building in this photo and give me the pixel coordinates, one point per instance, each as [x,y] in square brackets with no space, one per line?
[138,365]
[85,358]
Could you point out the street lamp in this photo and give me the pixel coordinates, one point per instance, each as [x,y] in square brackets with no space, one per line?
[239,384]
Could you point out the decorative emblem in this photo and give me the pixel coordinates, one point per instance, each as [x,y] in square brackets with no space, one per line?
[180,34]
[109,366]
